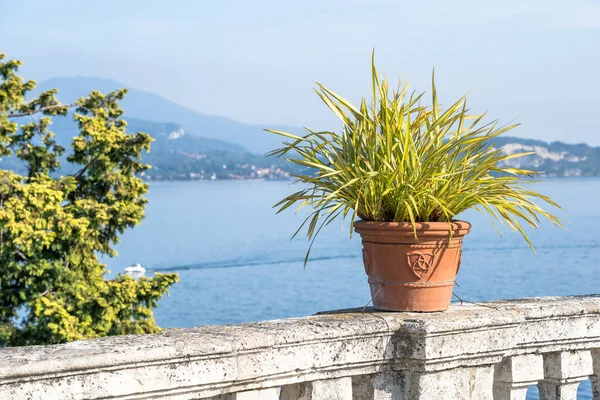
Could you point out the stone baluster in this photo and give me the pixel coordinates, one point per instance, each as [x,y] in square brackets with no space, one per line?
[514,375]
[326,389]
[563,372]
[596,377]
[380,386]
[465,383]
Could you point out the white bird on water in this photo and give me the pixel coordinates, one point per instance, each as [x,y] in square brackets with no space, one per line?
[135,269]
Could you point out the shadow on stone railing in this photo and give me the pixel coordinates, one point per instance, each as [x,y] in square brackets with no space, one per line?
[478,352]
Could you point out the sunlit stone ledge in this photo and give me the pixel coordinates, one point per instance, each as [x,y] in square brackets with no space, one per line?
[494,350]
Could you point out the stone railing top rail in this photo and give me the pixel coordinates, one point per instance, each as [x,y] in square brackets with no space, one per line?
[212,360]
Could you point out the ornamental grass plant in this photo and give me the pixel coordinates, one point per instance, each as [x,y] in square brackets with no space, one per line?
[397,159]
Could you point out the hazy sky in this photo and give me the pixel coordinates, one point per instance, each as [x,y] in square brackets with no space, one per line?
[256,61]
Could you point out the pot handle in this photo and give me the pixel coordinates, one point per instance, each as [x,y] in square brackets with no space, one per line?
[459,260]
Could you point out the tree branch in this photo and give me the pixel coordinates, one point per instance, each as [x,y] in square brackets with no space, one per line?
[40,110]
[18,253]
[82,171]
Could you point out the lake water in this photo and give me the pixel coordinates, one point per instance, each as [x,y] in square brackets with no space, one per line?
[237,264]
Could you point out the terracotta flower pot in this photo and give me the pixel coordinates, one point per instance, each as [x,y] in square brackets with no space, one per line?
[406,274]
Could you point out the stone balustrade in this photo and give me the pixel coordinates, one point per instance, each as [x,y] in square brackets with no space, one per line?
[490,351]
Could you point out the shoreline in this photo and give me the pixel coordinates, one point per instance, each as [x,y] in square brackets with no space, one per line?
[540,178]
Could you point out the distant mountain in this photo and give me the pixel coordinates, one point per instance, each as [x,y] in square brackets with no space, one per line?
[167,136]
[151,107]
[192,145]
[554,159]
[176,155]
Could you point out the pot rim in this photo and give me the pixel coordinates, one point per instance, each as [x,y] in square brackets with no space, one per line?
[458,227]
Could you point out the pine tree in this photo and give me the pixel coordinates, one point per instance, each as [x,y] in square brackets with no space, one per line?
[53,228]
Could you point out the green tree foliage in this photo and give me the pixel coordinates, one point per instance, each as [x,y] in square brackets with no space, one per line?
[52,229]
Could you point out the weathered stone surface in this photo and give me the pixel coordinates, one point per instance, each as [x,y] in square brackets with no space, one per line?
[298,391]
[467,383]
[563,372]
[381,386]
[259,394]
[331,389]
[526,369]
[514,375]
[387,386]
[550,390]
[424,353]
[362,387]
[326,389]
[595,378]
[568,365]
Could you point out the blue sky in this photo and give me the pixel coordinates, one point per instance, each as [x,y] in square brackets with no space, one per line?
[256,61]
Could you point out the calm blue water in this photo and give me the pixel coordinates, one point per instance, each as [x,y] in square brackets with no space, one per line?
[237,264]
